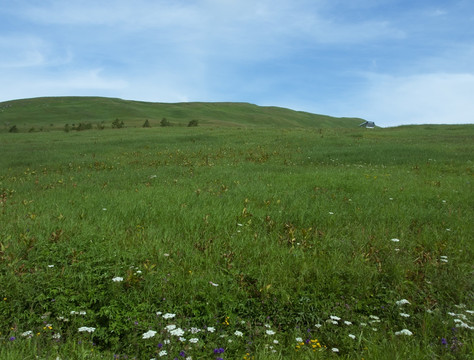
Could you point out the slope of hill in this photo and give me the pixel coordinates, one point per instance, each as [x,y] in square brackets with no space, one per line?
[58,111]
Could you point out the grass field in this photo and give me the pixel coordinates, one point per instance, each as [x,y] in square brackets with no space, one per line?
[237,243]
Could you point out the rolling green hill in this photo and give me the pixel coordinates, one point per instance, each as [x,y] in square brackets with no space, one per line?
[53,112]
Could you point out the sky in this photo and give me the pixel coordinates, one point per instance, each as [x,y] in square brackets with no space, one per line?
[393,62]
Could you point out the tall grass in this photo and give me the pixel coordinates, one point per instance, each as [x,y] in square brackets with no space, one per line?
[285,242]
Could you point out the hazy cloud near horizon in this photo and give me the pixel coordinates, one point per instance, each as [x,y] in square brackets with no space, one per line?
[393,62]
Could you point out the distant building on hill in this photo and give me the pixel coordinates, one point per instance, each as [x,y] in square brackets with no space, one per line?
[368,124]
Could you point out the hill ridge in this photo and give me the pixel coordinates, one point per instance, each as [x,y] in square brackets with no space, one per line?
[59,111]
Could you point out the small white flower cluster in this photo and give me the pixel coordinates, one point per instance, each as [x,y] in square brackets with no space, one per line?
[443,258]
[86,329]
[78,312]
[149,334]
[168,316]
[404,332]
[28,334]
[461,320]
[402,302]
[117,279]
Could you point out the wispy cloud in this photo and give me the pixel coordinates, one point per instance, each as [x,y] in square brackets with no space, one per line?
[360,58]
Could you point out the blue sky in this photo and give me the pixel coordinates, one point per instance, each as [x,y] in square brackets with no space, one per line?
[392,62]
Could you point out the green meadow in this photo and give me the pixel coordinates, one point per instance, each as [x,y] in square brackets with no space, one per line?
[239,238]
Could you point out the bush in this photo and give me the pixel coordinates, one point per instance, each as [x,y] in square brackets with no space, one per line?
[165,122]
[67,128]
[84,126]
[193,122]
[13,129]
[146,124]
[117,124]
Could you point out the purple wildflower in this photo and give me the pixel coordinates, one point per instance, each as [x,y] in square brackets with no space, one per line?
[219,351]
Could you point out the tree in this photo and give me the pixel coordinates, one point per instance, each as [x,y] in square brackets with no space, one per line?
[146,124]
[165,122]
[192,123]
[117,124]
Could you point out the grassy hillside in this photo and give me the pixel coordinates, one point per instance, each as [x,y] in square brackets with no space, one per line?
[55,112]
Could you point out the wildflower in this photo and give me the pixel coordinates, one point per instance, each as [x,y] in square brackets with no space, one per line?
[168,316]
[162,353]
[12,338]
[219,351]
[347,323]
[213,284]
[182,339]
[404,332]
[28,334]
[462,324]
[50,266]
[298,339]
[170,327]
[275,341]
[335,318]
[352,336]
[86,329]
[78,312]
[193,340]
[395,240]
[194,330]
[158,313]
[374,317]
[405,315]
[335,350]
[117,279]
[331,213]
[363,324]
[57,336]
[149,334]
[402,302]
[270,332]
[177,332]
[211,329]
[317,326]
[470,312]
[238,333]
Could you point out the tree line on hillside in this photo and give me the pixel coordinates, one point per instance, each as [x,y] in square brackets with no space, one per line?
[116,124]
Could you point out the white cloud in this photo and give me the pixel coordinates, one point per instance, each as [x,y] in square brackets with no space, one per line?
[436,98]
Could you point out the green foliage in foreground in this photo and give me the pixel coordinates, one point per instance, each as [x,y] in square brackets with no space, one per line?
[265,244]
